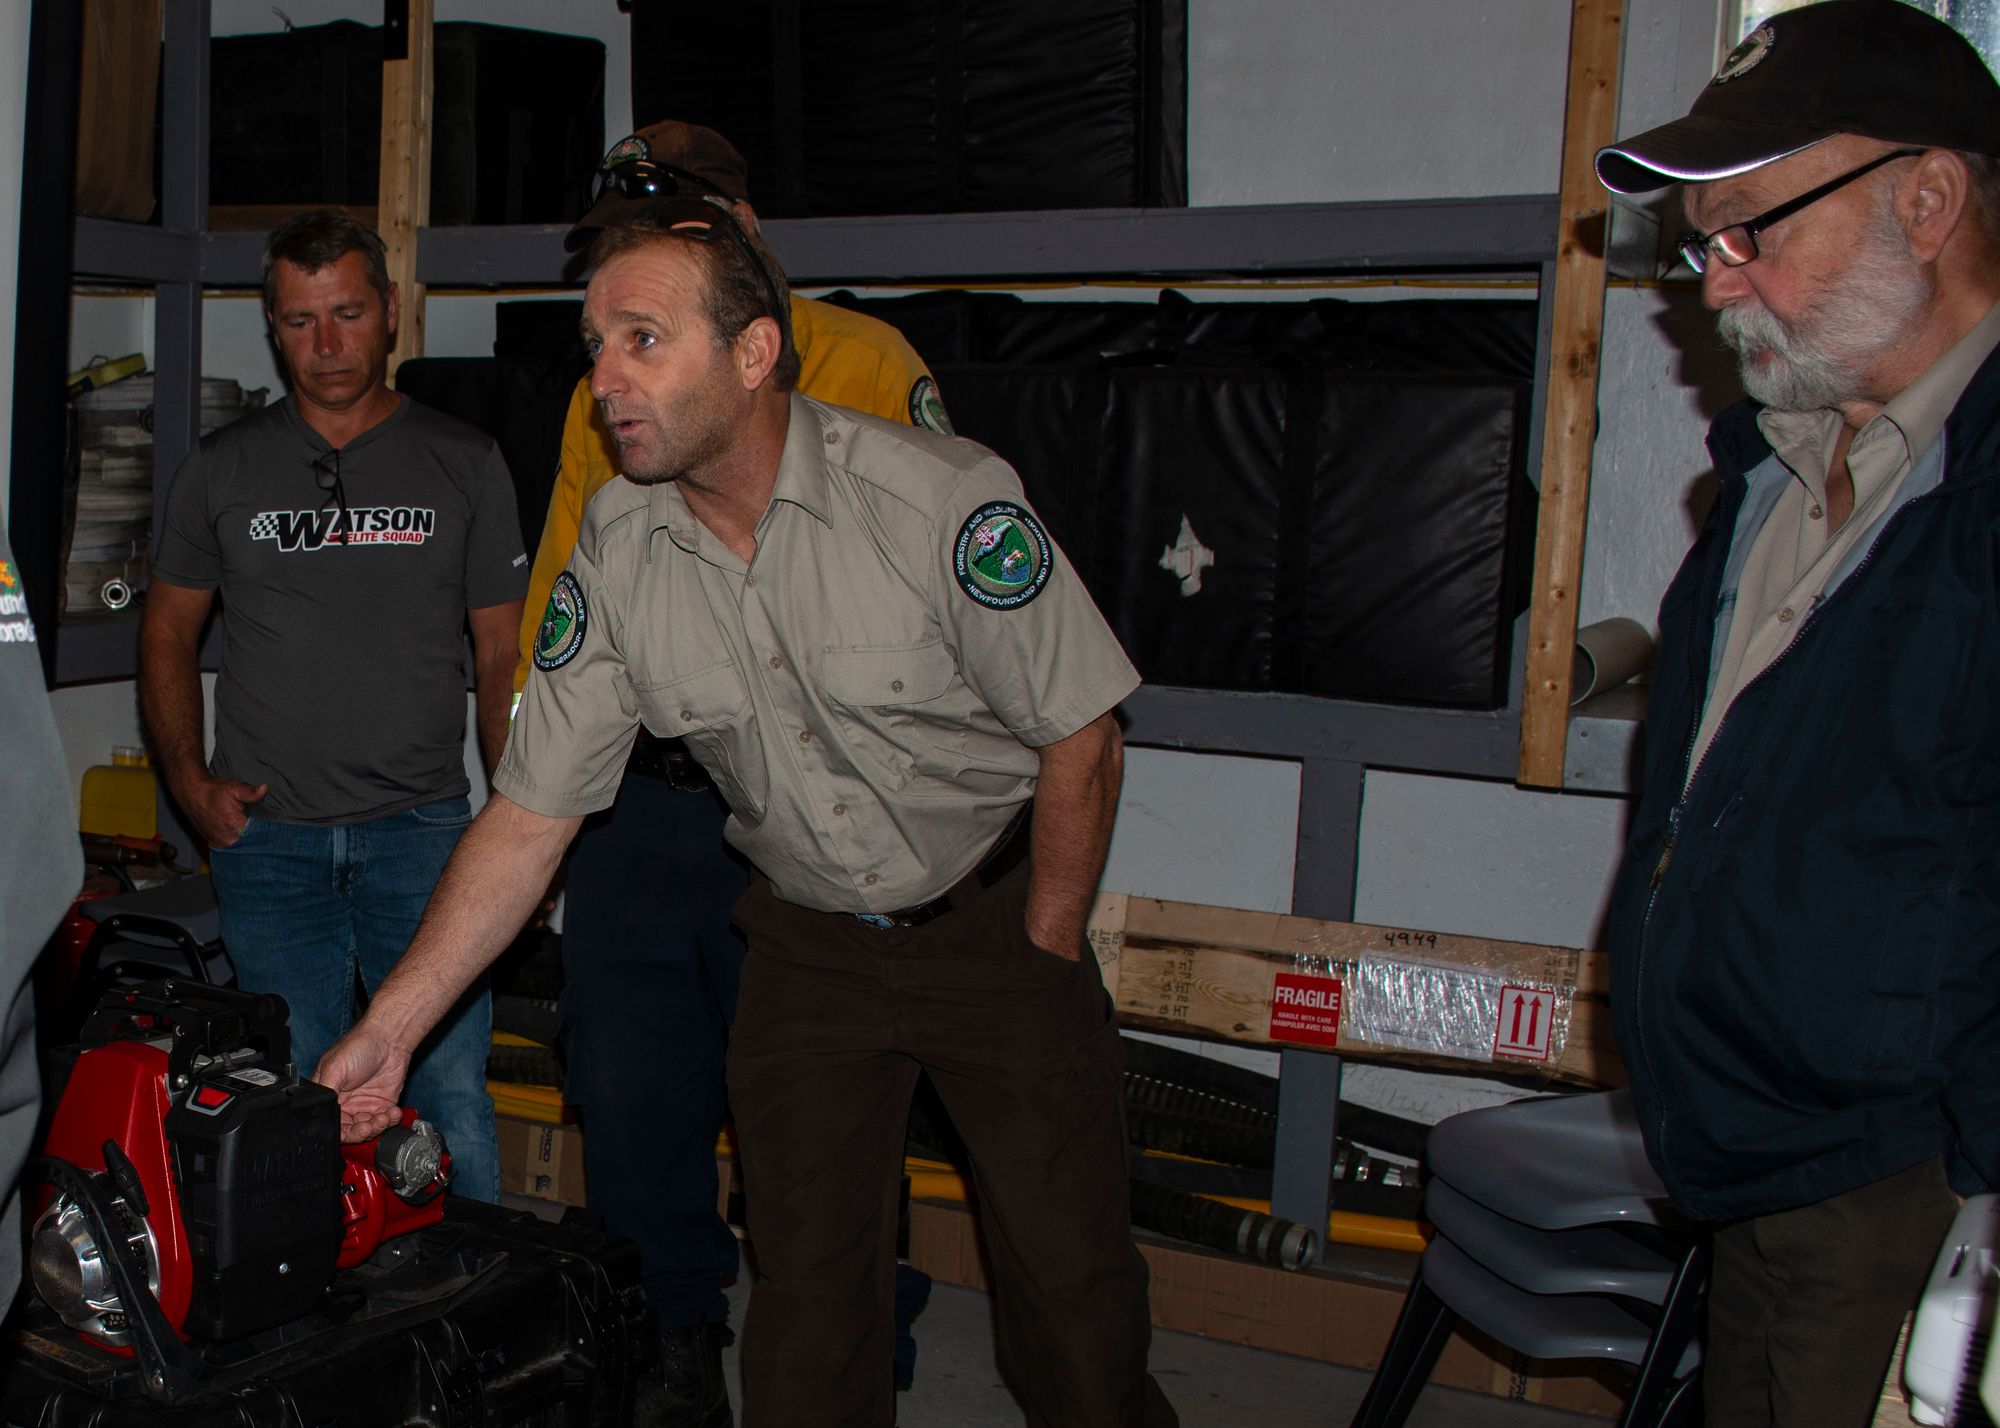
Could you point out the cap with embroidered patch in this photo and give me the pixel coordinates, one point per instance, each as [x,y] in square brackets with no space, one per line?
[657,163]
[1878,68]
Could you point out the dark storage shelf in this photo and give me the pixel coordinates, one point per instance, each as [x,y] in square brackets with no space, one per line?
[1298,240]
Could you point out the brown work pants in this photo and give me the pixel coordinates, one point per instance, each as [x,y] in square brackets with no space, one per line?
[1804,1305]
[834,1022]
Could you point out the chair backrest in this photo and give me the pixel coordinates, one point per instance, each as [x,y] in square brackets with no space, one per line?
[1554,1162]
[1591,1259]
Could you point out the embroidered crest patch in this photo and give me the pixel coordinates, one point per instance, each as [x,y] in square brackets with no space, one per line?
[563,624]
[927,407]
[1747,55]
[624,151]
[1001,556]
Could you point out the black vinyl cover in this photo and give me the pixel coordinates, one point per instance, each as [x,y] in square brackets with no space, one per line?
[1317,497]
[915,106]
[519,401]
[517,120]
[1051,421]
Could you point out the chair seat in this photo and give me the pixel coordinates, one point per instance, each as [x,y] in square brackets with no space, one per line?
[1593,1259]
[1568,1326]
[1553,1163]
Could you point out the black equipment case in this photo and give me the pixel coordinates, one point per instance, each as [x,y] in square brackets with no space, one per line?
[494,1317]
[295,117]
[916,106]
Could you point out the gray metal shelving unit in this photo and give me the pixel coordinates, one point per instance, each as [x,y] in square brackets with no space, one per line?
[1336,742]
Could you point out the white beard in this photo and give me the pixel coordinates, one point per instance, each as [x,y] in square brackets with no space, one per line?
[1820,356]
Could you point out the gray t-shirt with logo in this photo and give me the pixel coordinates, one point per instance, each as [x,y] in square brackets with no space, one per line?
[343,663]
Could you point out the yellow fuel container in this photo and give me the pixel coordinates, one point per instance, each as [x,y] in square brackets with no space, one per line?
[121,796]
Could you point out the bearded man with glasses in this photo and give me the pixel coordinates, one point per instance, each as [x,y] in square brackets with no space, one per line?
[1805,936]
[354,538]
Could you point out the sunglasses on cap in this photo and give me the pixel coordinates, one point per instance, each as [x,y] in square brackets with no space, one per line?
[707,220]
[643,179]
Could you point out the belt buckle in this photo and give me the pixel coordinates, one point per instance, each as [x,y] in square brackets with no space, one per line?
[875,920]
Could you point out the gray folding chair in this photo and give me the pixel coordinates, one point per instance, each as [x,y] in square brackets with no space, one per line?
[1555,1238]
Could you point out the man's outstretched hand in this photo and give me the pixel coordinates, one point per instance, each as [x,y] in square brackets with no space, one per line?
[368,1073]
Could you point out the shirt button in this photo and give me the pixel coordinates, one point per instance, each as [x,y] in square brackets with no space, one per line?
[896,686]
[777,663]
[1814,511]
[871,880]
[1785,615]
[687,716]
[833,438]
[751,581]
[805,736]
[840,810]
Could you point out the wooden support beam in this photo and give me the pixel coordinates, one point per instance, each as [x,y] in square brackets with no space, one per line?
[405,194]
[1574,357]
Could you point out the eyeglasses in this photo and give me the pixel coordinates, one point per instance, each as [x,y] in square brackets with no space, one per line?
[641,179]
[1737,244]
[705,220]
[326,475]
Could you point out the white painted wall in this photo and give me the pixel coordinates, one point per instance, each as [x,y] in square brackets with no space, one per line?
[1303,100]
[13,117]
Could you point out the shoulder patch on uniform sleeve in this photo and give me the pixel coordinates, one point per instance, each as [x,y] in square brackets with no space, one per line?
[1001,556]
[927,407]
[563,624]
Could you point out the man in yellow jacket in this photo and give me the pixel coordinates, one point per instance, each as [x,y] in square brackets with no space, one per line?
[650,962]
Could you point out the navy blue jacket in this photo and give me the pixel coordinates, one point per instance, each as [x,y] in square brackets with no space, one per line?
[1805,946]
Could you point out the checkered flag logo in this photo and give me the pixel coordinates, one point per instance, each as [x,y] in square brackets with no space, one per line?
[264,526]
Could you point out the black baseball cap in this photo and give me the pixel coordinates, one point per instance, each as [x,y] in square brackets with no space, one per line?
[1877,68]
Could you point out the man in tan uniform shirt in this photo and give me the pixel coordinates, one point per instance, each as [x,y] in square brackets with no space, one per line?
[866,637]
[651,961]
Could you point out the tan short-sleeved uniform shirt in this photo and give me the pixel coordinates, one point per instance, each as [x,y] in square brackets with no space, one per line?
[868,693]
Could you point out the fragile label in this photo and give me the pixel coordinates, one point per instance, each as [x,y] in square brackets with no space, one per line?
[1525,1028]
[1305,1009]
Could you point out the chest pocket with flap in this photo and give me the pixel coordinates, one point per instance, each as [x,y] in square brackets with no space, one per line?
[892,703]
[710,708]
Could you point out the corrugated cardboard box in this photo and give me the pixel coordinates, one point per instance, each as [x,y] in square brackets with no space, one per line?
[542,1160]
[1376,993]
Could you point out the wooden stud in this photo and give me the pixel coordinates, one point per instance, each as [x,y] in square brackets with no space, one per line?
[405,193]
[1570,426]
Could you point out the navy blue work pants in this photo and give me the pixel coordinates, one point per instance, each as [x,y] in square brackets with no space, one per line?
[650,966]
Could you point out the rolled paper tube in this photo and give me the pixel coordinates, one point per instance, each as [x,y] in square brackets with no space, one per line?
[1607,654]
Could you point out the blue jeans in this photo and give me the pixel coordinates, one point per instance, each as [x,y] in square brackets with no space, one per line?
[304,908]
[650,965]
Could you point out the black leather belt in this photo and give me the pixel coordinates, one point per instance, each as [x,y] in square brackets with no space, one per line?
[670,760]
[1001,859]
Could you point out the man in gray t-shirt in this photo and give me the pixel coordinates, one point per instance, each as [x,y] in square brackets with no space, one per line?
[353,536]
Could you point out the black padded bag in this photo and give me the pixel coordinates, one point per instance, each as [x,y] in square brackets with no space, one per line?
[917,106]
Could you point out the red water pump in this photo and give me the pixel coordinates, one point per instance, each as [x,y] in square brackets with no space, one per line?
[199,1189]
